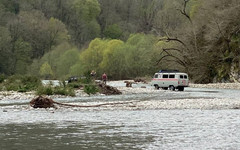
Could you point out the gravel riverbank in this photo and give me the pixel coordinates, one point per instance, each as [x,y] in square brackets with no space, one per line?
[217,85]
[163,103]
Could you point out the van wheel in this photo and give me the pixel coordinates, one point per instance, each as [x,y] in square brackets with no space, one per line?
[156,87]
[172,88]
[180,88]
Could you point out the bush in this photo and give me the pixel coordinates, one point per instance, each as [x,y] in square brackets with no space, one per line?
[21,83]
[45,90]
[90,89]
[2,78]
[78,82]
[64,91]
[75,85]
[49,90]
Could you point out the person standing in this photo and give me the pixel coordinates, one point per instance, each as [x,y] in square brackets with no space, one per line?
[93,73]
[104,78]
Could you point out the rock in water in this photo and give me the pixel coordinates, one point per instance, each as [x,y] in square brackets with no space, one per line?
[42,102]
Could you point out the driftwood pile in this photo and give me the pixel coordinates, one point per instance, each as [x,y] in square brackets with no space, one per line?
[41,102]
[108,90]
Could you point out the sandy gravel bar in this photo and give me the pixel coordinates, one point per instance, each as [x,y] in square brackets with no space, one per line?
[190,104]
[217,85]
[194,103]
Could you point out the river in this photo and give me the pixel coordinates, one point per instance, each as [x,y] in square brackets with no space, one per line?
[67,128]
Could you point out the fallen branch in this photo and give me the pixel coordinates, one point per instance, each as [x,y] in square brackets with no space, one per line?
[44,102]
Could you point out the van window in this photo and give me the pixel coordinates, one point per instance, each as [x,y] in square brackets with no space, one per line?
[165,76]
[156,76]
[181,76]
[171,76]
[185,77]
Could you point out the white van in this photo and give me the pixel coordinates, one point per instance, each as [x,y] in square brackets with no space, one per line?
[170,80]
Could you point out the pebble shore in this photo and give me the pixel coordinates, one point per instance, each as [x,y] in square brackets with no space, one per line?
[235,86]
[200,103]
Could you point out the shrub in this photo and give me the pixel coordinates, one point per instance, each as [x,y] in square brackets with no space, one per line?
[2,78]
[75,85]
[90,89]
[21,83]
[59,90]
[45,90]
[64,91]
[78,82]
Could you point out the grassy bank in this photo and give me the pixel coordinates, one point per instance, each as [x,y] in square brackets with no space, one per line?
[30,83]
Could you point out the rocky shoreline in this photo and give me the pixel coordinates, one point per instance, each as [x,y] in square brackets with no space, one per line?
[235,86]
[192,103]
[13,95]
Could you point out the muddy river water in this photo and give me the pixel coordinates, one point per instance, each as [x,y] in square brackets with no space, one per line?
[23,128]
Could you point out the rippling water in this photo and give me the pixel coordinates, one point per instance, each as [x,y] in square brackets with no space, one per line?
[122,129]
[22,128]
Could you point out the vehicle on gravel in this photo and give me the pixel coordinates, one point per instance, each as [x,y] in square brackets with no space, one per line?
[170,79]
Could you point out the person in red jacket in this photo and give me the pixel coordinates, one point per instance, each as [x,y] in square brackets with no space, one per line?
[104,78]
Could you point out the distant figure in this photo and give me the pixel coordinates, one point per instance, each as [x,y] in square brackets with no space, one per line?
[104,78]
[93,73]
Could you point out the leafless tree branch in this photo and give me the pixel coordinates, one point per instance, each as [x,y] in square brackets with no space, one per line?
[178,60]
[168,39]
[183,11]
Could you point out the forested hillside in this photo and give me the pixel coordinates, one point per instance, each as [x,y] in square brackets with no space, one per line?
[56,39]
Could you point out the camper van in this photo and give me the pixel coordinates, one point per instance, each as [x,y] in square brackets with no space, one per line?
[170,79]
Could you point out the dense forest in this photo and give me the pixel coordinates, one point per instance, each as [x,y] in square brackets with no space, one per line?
[55,39]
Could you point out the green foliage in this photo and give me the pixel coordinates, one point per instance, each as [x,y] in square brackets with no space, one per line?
[32,27]
[86,79]
[58,90]
[75,85]
[45,90]
[2,78]
[46,71]
[10,5]
[52,58]
[121,60]
[6,57]
[64,91]
[35,37]
[57,32]
[113,32]
[77,69]
[87,9]
[108,61]
[139,51]
[23,56]
[66,61]
[86,26]
[21,83]
[93,55]
[90,89]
